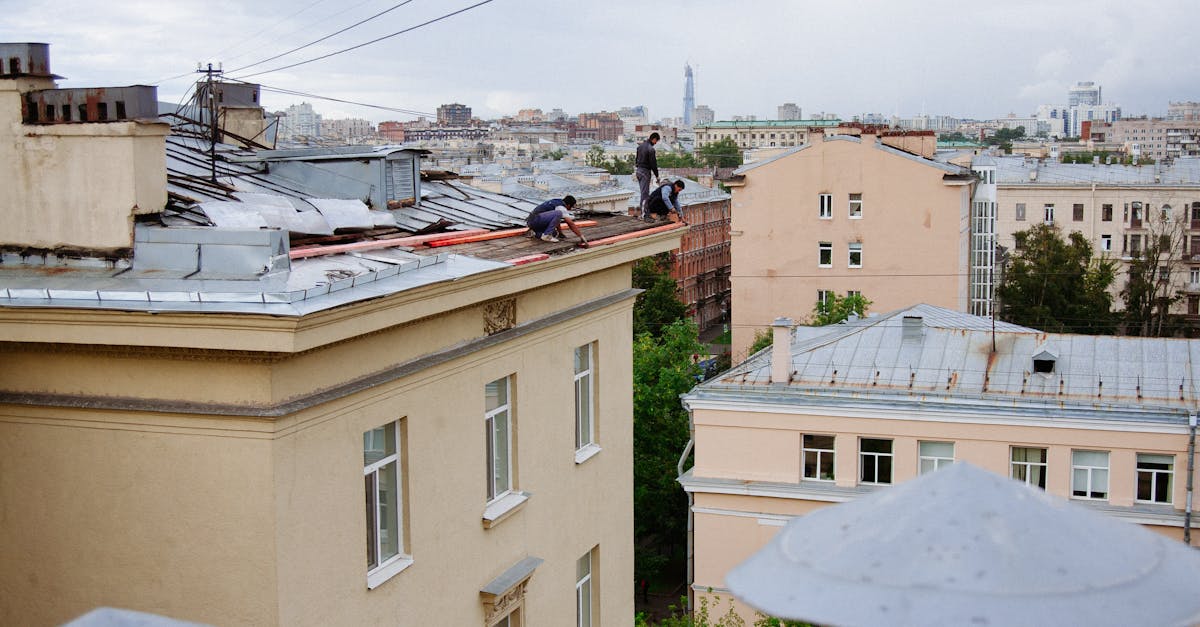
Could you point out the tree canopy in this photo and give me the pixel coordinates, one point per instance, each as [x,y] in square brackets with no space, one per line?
[1148,293]
[1056,285]
[657,306]
[838,308]
[723,153]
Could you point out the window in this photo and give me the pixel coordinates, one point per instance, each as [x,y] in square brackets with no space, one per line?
[825,206]
[853,293]
[1077,212]
[1029,465]
[1020,212]
[823,297]
[825,255]
[1048,216]
[1105,242]
[384,509]
[875,460]
[855,206]
[1089,474]
[1135,245]
[934,455]
[583,591]
[585,428]
[1106,213]
[1194,276]
[1154,474]
[855,257]
[498,422]
[1193,305]
[817,453]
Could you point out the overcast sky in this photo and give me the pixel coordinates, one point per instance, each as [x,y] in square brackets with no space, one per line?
[901,57]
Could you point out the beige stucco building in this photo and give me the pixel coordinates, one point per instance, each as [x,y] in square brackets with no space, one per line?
[345,434]
[844,214]
[834,413]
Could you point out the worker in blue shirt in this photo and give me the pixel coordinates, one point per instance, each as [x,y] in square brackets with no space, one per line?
[544,220]
[664,200]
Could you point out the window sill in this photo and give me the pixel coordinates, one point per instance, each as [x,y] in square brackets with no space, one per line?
[587,452]
[390,569]
[503,507]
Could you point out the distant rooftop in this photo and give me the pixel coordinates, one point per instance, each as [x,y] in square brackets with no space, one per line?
[1011,170]
[769,123]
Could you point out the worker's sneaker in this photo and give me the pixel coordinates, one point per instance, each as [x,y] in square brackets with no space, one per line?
[549,238]
[649,219]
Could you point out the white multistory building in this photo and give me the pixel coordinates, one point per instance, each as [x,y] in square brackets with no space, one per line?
[300,120]
[788,111]
[1084,104]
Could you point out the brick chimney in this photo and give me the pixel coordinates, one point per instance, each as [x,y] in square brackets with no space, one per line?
[78,164]
[781,350]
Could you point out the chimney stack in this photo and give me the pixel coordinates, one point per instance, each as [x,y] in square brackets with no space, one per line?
[781,350]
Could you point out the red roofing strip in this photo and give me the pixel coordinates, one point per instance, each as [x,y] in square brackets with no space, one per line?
[483,237]
[624,236]
[520,261]
[414,240]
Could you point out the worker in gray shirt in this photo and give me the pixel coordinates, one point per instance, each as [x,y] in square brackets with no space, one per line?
[646,165]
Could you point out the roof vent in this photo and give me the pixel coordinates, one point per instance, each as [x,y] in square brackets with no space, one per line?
[1044,358]
[25,59]
[913,327]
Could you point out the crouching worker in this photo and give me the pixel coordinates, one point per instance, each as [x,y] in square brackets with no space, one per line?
[545,218]
[664,200]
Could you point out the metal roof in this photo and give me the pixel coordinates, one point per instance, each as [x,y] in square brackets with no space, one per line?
[693,192]
[768,123]
[944,353]
[1016,171]
[963,546]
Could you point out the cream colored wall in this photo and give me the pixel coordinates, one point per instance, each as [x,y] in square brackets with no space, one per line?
[240,521]
[912,231]
[76,185]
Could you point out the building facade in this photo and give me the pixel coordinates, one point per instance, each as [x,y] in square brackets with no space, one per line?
[835,413]
[1187,110]
[761,134]
[454,114]
[1156,138]
[846,215]
[300,121]
[788,111]
[605,126]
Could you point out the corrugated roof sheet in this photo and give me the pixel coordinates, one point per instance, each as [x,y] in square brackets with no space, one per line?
[1016,171]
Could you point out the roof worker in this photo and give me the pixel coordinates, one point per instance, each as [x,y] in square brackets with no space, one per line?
[645,165]
[664,200]
[545,218]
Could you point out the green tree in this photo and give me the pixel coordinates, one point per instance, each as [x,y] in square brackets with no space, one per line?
[1007,135]
[762,339]
[702,617]
[721,154]
[1148,293]
[956,136]
[678,159]
[659,305]
[662,370]
[596,157]
[1056,285]
[838,308]
[556,155]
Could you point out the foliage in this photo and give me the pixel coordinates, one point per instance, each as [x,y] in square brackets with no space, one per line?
[702,617]
[678,159]
[1007,135]
[956,136]
[598,158]
[1148,293]
[658,306]
[556,155]
[762,339]
[1056,285]
[838,308]
[1086,157]
[721,154]
[662,370]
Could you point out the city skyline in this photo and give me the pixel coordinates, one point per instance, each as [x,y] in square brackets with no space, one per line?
[905,58]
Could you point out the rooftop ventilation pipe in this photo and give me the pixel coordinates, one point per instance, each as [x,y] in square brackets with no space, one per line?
[781,350]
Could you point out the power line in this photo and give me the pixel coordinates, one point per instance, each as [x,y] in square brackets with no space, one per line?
[373,41]
[246,40]
[331,35]
[293,92]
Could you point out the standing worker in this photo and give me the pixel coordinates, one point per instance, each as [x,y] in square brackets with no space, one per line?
[646,165]
[544,220]
[664,200]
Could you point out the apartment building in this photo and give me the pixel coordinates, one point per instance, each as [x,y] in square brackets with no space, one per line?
[835,413]
[215,408]
[1156,138]
[847,214]
[1116,207]
[454,114]
[299,121]
[761,133]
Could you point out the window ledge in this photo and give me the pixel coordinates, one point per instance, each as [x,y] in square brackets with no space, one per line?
[587,452]
[390,569]
[503,507]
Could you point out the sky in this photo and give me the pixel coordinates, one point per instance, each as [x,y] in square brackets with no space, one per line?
[902,57]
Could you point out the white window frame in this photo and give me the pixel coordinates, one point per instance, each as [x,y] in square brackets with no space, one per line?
[823,297]
[385,567]
[1153,473]
[1090,472]
[854,207]
[927,462]
[1194,275]
[851,249]
[494,491]
[821,453]
[585,401]
[862,458]
[584,591]
[1106,243]
[1014,464]
[1019,213]
[1048,213]
[825,206]
[821,248]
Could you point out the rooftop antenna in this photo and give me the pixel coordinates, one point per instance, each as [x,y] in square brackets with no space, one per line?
[208,92]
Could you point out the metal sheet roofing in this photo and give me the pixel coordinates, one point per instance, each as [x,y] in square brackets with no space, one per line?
[1017,171]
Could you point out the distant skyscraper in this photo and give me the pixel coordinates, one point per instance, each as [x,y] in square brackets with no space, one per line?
[689,95]
[787,111]
[1084,94]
